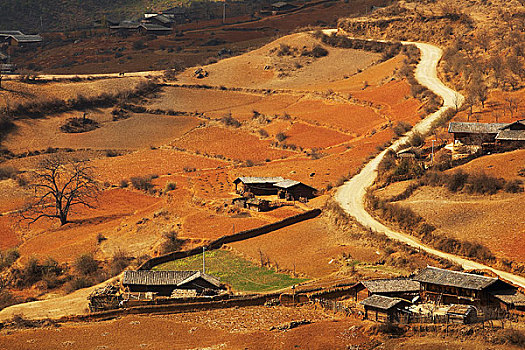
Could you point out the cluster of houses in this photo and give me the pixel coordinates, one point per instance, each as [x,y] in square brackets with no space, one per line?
[251,186]
[163,22]
[460,297]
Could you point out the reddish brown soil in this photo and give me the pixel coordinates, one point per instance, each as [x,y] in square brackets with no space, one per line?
[8,236]
[65,243]
[308,136]
[218,141]
[506,165]
[240,328]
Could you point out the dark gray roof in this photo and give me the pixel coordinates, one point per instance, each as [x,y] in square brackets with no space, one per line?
[258,180]
[165,278]
[162,19]
[392,285]
[444,277]
[511,135]
[126,25]
[154,27]
[382,302]
[462,310]
[475,128]
[510,296]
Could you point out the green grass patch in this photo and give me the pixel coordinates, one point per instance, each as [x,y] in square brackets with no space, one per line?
[241,274]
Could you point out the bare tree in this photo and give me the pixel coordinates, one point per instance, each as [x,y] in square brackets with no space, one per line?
[60,184]
[512,104]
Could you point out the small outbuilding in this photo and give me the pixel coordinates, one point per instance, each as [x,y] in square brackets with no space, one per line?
[384,309]
[512,134]
[256,204]
[282,6]
[462,314]
[164,283]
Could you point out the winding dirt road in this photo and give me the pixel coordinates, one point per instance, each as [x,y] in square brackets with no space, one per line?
[351,194]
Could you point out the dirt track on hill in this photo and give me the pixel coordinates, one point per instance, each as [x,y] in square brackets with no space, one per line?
[351,195]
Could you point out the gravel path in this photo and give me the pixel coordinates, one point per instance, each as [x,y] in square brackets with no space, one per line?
[351,194]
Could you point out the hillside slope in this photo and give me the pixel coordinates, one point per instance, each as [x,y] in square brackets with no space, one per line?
[33,15]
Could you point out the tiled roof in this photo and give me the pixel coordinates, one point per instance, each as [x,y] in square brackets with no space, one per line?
[165,278]
[475,128]
[258,180]
[444,277]
[511,135]
[286,183]
[382,302]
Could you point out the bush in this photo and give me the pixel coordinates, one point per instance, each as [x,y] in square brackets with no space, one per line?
[170,186]
[401,128]
[263,133]
[514,186]
[124,183]
[139,45]
[483,184]
[281,137]
[509,337]
[142,183]
[119,262]
[171,242]
[230,121]
[7,299]
[7,172]
[416,139]
[86,265]
[79,283]
[456,181]
[79,125]
[8,257]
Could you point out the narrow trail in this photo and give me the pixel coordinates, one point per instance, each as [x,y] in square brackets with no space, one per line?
[351,194]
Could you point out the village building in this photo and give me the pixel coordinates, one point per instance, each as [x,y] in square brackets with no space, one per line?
[166,283]
[381,308]
[12,39]
[150,28]
[125,27]
[282,6]
[499,134]
[510,300]
[161,20]
[392,287]
[259,186]
[178,14]
[512,134]
[452,287]
[294,190]
[474,133]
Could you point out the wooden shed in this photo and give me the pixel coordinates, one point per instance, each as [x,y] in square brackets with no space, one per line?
[510,300]
[294,190]
[512,134]
[462,314]
[384,309]
[164,283]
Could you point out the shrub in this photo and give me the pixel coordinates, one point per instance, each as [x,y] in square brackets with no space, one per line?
[263,133]
[86,264]
[7,299]
[79,125]
[230,121]
[483,184]
[8,257]
[112,153]
[284,50]
[78,283]
[416,139]
[124,183]
[514,186]
[509,337]
[142,183]
[7,172]
[456,181]
[281,137]
[119,262]
[401,128]
[171,242]
[170,186]
[139,45]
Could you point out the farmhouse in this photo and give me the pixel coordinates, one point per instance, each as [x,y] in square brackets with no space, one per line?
[15,38]
[384,309]
[452,287]
[474,133]
[161,20]
[149,28]
[257,185]
[392,287]
[165,283]
[294,190]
